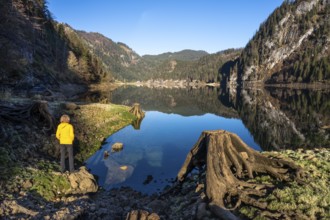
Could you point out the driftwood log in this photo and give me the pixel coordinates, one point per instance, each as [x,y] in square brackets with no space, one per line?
[229,163]
[137,111]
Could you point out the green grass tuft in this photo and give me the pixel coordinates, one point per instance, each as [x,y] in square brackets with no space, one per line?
[48,184]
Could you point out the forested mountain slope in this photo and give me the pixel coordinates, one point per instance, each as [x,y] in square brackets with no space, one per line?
[291,46]
[118,58]
[36,51]
[126,65]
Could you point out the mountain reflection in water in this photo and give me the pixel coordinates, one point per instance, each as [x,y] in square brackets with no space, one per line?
[286,118]
[270,118]
[278,118]
[157,149]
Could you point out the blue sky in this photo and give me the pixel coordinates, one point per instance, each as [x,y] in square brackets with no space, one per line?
[159,26]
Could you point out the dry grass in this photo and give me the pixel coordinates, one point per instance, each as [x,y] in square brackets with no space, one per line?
[308,201]
[95,122]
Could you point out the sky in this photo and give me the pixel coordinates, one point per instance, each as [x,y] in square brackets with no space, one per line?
[159,26]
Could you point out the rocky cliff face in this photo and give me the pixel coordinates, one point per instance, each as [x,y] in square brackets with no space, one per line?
[292,45]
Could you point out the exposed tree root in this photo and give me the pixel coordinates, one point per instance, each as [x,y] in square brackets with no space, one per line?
[16,208]
[229,164]
[36,112]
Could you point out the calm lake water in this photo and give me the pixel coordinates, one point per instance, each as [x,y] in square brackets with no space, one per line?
[155,149]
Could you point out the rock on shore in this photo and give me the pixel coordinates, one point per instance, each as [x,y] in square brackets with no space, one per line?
[82,182]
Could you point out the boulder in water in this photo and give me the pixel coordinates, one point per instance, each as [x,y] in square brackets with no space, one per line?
[117,147]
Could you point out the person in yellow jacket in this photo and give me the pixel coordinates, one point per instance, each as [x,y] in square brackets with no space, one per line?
[65,135]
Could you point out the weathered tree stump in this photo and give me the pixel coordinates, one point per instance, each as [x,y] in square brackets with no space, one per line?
[137,111]
[229,164]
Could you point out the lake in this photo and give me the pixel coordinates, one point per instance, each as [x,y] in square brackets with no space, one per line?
[155,149]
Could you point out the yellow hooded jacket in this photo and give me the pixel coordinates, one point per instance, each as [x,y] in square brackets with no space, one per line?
[65,133]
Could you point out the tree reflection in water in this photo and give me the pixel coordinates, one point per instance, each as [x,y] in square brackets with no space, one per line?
[286,118]
[278,118]
[275,118]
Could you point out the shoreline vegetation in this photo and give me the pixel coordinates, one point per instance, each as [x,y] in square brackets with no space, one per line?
[32,187]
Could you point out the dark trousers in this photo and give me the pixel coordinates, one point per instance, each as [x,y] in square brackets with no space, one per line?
[69,149]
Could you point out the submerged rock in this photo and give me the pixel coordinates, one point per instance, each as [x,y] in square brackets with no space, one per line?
[106,154]
[117,147]
[117,173]
[148,180]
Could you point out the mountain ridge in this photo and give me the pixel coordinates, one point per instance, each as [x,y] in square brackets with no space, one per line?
[126,65]
[291,46]
[183,55]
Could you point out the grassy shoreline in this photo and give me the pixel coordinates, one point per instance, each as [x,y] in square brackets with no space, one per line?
[29,160]
[308,200]
[37,177]
[95,122]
